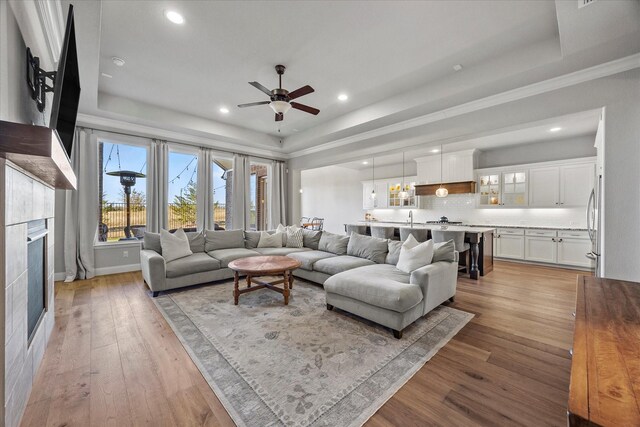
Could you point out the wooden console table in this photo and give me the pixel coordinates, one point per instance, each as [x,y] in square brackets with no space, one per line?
[605,369]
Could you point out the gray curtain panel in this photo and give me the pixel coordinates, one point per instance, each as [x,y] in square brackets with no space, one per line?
[81,209]
[240,202]
[204,196]
[277,195]
[157,186]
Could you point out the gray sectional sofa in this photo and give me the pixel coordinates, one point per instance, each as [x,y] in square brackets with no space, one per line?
[358,272]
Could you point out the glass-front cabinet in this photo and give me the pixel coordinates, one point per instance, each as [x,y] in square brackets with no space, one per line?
[395,189]
[503,188]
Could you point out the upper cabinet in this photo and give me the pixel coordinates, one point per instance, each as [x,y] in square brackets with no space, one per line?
[380,201]
[456,167]
[561,186]
[552,184]
[395,187]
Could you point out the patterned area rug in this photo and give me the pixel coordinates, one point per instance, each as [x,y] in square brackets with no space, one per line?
[299,365]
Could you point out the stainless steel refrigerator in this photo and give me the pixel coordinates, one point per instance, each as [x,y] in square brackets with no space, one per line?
[593,225]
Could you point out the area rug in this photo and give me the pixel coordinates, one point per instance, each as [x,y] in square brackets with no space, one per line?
[299,365]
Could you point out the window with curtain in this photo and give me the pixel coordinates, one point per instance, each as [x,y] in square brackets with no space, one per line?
[221,170]
[258,216]
[183,186]
[115,159]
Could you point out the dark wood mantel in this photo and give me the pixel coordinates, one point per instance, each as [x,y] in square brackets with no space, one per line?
[37,150]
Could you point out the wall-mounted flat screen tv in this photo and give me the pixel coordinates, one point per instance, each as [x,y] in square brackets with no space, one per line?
[66,95]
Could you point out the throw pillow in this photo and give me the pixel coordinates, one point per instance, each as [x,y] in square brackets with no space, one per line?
[196,241]
[174,246]
[311,239]
[294,237]
[227,239]
[251,239]
[414,255]
[152,242]
[371,248]
[282,229]
[270,240]
[394,252]
[444,251]
[334,243]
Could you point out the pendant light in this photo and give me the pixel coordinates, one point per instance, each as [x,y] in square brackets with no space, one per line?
[441,192]
[373,178]
[403,194]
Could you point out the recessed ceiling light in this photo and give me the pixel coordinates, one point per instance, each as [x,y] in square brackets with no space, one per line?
[365,163]
[457,67]
[118,61]
[174,16]
[556,129]
[224,110]
[435,150]
[343,97]
[106,75]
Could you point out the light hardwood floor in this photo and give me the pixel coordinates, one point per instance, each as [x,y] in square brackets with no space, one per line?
[113,359]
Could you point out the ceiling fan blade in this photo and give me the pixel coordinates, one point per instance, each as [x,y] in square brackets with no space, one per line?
[304,90]
[279,117]
[260,87]
[251,104]
[305,108]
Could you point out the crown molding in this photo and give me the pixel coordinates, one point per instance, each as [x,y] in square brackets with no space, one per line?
[134,129]
[598,71]
[53,24]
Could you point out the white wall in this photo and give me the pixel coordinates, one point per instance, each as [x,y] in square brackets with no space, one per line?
[333,193]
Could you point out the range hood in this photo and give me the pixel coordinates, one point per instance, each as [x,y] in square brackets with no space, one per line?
[462,187]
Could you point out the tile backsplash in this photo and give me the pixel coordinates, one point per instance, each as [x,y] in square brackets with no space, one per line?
[463,207]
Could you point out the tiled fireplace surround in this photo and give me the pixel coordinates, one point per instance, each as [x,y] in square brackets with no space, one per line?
[23,198]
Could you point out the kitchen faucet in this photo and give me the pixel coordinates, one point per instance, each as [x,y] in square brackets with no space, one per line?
[411,218]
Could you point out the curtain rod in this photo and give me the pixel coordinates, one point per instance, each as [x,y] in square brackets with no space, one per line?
[179,143]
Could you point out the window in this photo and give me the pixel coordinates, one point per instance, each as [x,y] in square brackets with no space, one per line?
[221,191]
[258,197]
[183,177]
[118,159]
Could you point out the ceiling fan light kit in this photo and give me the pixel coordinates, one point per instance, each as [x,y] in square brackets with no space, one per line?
[280,99]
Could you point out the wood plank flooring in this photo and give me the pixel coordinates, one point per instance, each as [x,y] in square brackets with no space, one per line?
[114,361]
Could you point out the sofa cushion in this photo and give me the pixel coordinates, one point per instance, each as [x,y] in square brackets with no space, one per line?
[270,240]
[196,241]
[311,239]
[174,245]
[334,243]
[308,258]
[414,255]
[196,263]
[280,251]
[394,252]
[444,251]
[251,239]
[225,256]
[339,264]
[223,239]
[371,248]
[380,285]
[152,241]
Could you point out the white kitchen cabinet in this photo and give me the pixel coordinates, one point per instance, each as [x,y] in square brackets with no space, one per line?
[510,244]
[395,187]
[573,247]
[576,183]
[428,169]
[503,187]
[544,190]
[456,167]
[540,246]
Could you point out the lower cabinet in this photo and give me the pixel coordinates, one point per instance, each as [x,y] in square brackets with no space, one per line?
[547,246]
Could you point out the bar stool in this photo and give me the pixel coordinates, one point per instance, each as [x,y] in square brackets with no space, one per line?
[359,229]
[420,234]
[382,232]
[440,236]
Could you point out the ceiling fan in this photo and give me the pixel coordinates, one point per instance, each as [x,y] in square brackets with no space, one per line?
[280,98]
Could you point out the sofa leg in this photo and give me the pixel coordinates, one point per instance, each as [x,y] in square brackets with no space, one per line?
[397,334]
[329,307]
[155,293]
[452,299]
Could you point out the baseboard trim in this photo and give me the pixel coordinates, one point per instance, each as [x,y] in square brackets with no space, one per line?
[59,277]
[103,271]
[544,264]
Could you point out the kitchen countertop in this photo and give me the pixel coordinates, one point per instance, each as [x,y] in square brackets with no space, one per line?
[481,226]
[398,224]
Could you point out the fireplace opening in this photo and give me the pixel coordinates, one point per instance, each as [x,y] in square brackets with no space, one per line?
[36,274]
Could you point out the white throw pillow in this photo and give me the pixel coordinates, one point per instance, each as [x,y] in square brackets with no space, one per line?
[294,237]
[282,229]
[174,245]
[270,240]
[414,255]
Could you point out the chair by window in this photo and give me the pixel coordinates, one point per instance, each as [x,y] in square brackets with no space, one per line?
[317,223]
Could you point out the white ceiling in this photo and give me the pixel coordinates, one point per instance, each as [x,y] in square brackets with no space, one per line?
[394,59]
[584,123]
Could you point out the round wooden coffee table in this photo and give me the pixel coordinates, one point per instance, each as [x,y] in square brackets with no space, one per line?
[264,266]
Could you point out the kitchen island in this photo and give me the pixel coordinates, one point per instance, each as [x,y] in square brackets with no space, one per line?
[480,240]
